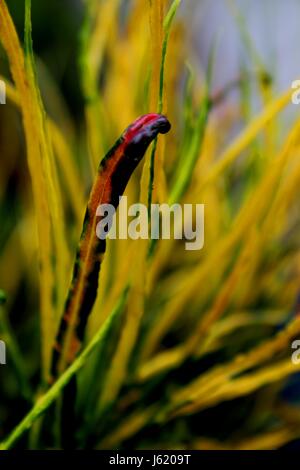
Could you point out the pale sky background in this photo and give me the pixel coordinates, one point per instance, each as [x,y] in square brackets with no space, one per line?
[274,26]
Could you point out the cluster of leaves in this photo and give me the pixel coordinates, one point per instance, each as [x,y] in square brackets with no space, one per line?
[187,350]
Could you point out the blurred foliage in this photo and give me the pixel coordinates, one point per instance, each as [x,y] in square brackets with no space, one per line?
[184,349]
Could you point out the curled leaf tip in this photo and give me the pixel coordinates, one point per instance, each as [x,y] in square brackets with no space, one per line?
[147,125]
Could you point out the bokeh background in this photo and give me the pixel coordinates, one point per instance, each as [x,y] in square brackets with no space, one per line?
[201,313]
